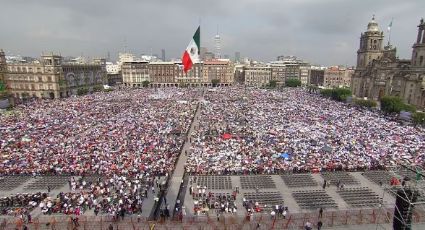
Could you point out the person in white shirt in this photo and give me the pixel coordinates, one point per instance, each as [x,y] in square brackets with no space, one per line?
[272,214]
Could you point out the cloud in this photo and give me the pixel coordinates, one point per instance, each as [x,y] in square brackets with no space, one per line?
[324,32]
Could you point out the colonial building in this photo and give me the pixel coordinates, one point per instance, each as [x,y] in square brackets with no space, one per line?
[317,75]
[379,72]
[81,78]
[239,74]
[163,73]
[304,73]
[222,70]
[193,77]
[290,67]
[114,79]
[278,69]
[50,78]
[134,73]
[258,76]
[337,76]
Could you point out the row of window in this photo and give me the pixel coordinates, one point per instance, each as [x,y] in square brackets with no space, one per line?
[30,78]
[31,87]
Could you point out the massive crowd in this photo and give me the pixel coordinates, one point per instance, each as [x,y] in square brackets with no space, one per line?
[123,132]
[128,137]
[245,131]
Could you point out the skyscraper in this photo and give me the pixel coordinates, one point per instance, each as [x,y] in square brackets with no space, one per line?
[237,56]
[217,41]
[163,54]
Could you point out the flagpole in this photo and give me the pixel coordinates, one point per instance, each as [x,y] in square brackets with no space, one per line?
[389,31]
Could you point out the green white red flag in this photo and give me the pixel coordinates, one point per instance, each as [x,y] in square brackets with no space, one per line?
[191,54]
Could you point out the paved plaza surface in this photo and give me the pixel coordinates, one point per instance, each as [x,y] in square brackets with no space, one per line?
[287,193]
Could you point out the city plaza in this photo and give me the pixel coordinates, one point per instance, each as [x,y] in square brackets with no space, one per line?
[181,153]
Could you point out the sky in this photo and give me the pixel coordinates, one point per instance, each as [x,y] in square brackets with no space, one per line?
[324,32]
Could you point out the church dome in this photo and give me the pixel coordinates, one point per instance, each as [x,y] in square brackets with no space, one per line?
[373,25]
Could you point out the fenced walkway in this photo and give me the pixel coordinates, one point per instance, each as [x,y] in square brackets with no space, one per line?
[292,221]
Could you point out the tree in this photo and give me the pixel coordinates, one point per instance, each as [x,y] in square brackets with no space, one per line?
[82,91]
[409,108]
[145,83]
[326,92]
[340,94]
[292,82]
[215,82]
[365,103]
[97,88]
[3,91]
[272,84]
[2,86]
[390,104]
[418,118]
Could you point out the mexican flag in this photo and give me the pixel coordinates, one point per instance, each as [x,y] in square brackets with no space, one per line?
[191,54]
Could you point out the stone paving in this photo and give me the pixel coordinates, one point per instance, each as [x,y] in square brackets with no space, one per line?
[177,177]
[286,193]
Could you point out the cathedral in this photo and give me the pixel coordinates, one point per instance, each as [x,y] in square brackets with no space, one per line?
[380,72]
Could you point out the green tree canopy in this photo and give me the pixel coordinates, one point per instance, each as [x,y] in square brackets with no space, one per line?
[338,94]
[2,86]
[418,118]
[292,82]
[145,83]
[97,88]
[272,84]
[82,91]
[215,82]
[365,103]
[341,94]
[391,104]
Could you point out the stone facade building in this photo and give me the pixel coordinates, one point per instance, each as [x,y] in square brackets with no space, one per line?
[239,77]
[379,72]
[258,76]
[222,70]
[193,77]
[290,68]
[337,77]
[163,73]
[317,76]
[84,77]
[134,73]
[51,78]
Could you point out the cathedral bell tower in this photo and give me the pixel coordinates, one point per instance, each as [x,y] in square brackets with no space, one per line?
[2,67]
[418,53]
[370,45]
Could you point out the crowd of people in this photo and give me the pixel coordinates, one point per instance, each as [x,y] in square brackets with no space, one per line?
[245,130]
[117,196]
[21,204]
[205,201]
[122,132]
[130,138]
